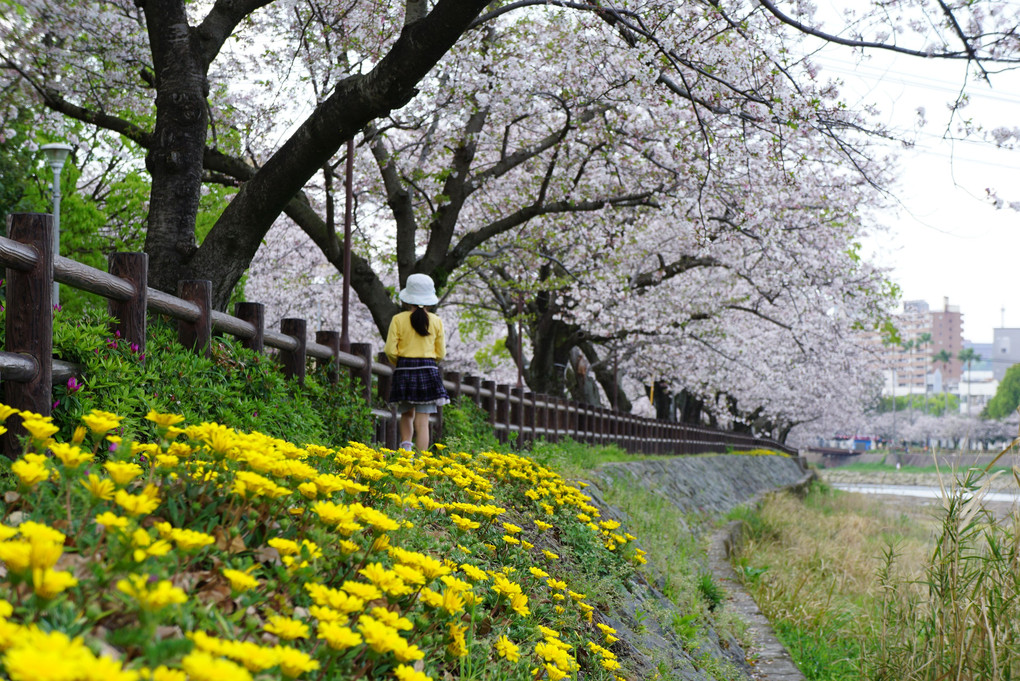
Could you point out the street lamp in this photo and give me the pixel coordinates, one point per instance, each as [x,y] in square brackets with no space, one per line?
[56,154]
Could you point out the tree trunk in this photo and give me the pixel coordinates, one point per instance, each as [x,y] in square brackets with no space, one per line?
[231,244]
[175,157]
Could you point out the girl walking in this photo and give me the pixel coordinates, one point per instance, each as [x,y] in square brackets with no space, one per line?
[414,344]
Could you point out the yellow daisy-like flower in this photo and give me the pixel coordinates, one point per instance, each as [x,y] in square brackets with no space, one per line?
[404,672]
[70,455]
[101,422]
[337,636]
[40,427]
[201,666]
[164,593]
[48,583]
[6,411]
[113,520]
[508,649]
[163,420]
[139,504]
[100,488]
[308,490]
[121,472]
[294,662]
[286,628]
[190,540]
[240,581]
[30,472]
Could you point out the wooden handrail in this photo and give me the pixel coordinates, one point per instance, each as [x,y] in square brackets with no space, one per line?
[511,410]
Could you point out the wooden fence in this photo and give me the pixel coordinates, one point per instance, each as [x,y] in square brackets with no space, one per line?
[28,371]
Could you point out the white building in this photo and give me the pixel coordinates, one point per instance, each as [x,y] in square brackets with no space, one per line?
[976,389]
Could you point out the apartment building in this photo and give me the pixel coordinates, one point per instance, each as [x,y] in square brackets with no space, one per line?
[908,367]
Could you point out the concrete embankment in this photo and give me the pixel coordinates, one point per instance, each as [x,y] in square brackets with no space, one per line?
[707,487]
[710,484]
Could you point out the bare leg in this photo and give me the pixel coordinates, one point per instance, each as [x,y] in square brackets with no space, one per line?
[421,431]
[407,420]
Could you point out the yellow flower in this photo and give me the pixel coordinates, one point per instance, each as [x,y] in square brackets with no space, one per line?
[294,662]
[308,490]
[140,504]
[101,422]
[162,673]
[100,488]
[122,473]
[240,581]
[30,473]
[6,609]
[365,592]
[338,636]
[48,583]
[71,456]
[201,666]
[109,519]
[465,524]
[392,619]
[506,648]
[163,594]
[41,428]
[6,412]
[457,647]
[163,420]
[286,628]
[167,461]
[189,540]
[17,555]
[335,599]
[79,435]
[405,673]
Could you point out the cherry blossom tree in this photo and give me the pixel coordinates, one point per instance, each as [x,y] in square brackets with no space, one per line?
[678,160]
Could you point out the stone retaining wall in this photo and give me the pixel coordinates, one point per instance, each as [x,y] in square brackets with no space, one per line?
[709,484]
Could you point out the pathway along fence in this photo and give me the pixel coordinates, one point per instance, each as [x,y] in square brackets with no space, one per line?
[28,371]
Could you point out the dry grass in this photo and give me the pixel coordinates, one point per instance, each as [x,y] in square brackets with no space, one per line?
[866,589]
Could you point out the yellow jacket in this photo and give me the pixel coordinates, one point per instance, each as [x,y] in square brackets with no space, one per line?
[403,341]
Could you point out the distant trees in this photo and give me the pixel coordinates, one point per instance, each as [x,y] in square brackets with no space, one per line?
[1007,397]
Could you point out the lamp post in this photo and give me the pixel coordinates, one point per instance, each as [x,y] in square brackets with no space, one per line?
[56,155]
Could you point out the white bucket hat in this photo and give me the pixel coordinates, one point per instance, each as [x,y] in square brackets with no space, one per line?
[420,290]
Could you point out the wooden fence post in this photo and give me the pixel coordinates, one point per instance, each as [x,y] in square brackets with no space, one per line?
[517,414]
[331,339]
[389,432]
[455,378]
[30,322]
[489,401]
[530,417]
[196,335]
[130,315]
[294,360]
[476,383]
[503,409]
[254,314]
[364,374]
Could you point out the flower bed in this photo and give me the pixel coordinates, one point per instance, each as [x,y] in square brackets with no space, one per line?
[214,555]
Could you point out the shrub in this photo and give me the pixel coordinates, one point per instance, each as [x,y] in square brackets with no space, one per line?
[466,426]
[232,385]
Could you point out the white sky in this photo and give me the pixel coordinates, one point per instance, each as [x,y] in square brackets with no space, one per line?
[946,239]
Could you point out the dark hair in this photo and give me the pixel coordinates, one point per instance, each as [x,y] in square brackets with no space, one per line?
[420,320]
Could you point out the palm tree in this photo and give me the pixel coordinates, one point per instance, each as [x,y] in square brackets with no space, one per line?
[944,358]
[968,355]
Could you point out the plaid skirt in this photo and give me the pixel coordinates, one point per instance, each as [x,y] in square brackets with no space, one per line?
[417,381]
